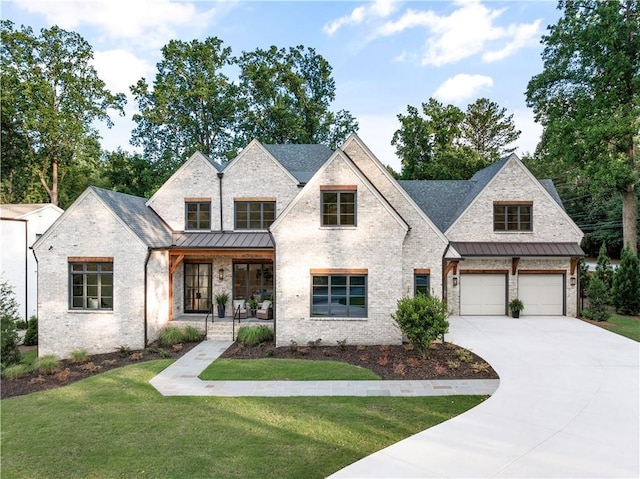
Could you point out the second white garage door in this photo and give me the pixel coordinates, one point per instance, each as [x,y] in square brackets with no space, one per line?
[483,294]
[541,294]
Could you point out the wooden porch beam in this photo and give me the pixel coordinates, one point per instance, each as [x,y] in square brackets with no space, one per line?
[174,262]
[574,264]
[514,265]
[451,266]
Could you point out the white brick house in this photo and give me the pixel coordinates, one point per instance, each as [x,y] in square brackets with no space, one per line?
[331,238]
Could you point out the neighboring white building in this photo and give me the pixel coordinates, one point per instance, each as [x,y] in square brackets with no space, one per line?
[20,226]
[330,237]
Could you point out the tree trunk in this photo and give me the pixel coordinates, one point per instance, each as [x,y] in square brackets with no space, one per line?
[630,218]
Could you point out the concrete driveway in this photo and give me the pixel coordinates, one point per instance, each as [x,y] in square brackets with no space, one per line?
[567,406]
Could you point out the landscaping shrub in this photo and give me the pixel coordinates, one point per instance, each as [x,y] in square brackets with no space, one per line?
[21,325]
[422,320]
[31,336]
[9,352]
[171,335]
[250,336]
[191,335]
[626,284]
[16,371]
[604,270]
[79,356]
[48,364]
[598,295]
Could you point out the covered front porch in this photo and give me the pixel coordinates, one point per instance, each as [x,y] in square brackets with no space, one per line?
[221,329]
[212,269]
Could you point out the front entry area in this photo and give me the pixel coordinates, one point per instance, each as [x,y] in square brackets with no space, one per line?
[197,287]
[483,294]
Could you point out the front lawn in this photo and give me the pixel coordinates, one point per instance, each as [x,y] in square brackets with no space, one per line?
[628,326]
[284,369]
[116,425]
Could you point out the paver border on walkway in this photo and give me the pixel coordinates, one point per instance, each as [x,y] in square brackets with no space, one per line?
[181,379]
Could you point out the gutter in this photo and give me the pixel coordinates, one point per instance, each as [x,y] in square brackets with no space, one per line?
[146,264]
[444,279]
[220,175]
[37,295]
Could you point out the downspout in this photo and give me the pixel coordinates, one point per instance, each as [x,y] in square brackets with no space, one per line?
[37,296]
[275,287]
[220,175]
[26,273]
[444,279]
[146,264]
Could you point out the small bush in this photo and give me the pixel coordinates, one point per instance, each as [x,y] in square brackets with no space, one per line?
[452,364]
[250,336]
[31,336]
[124,351]
[463,355]
[598,295]
[171,335]
[16,371]
[10,354]
[480,367]
[79,356]
[422,319]
[48,364]
[626,284]
[21,325]
[342,344]
[191,335]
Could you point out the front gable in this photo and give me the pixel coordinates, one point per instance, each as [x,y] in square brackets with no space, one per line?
[197,179]
[514,186]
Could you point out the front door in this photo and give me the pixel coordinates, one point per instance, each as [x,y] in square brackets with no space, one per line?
[197,287]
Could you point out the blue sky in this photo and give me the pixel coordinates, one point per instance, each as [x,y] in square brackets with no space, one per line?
[385,54]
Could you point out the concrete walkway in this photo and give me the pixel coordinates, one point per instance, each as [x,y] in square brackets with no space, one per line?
[181,379]
[568,406]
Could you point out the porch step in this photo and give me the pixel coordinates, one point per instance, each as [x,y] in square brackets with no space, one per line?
[226,330]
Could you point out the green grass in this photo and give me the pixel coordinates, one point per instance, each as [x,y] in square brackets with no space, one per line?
[116,425]
[627,326]
[283,369]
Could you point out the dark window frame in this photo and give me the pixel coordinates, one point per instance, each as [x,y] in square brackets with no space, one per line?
[264,222]
[351,309]
[417,288]
[339,214]
[80,278]
[199,212]
[512,217]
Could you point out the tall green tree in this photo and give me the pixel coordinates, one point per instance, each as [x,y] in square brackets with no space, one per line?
[429,144]
[488,130]
[51,100]
[287,97]
[191,106]
[133,174]
[626,284]
[588,99]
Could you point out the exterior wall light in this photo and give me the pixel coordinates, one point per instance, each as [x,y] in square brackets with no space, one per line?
[572,281]
[455,281]
[221,274]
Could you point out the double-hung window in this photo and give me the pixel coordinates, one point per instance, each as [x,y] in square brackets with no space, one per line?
[91,284]
[254,215]
[512,216]
[341,295]
[338,205]
[198,215]
[421,283]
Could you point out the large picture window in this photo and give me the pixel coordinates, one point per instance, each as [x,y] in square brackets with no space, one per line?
[198,215]
[255,215]
[339,295]
[512,217]
[338,208]
[91,285]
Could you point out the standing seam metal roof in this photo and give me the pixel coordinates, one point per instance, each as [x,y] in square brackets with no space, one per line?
[222,240]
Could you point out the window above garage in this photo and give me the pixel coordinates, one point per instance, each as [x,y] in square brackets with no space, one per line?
[512,216]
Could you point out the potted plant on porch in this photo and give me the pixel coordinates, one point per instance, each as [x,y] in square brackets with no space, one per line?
[515,305]
[253,305]
[221,301]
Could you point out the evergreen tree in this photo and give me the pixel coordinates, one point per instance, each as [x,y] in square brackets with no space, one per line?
[604,270]
[626,284]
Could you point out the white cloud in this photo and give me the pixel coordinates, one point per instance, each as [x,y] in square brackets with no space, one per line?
[362,14]
[120,69]
[522,35]
[462,87]
[149,23]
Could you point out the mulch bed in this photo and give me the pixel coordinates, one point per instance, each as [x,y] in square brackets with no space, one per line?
[388,362]
[70,372]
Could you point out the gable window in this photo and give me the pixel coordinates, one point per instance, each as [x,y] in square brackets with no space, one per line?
[254,215]
[421,283]
[342,295]
[338,206]
[512,217]
[198,215]
[91,284]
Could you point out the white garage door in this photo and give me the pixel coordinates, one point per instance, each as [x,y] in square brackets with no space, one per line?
[541,294]
[483,294]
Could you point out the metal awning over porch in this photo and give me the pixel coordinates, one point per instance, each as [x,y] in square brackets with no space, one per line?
[222,240]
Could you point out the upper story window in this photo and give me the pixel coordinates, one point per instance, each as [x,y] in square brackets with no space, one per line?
[338,206]
[254,215]
[342,295]
[197,214]
[512,216]
[91,283]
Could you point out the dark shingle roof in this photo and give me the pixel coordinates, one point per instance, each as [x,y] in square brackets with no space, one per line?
[142,220]
[302,161]
[445,200]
